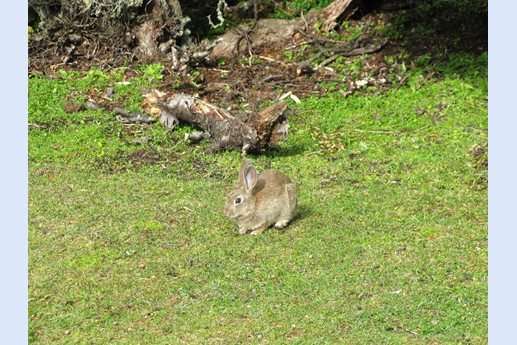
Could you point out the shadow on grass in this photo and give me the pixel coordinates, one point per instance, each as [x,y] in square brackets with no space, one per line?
[447,26]
[434,33]
[288,150]
[304,211]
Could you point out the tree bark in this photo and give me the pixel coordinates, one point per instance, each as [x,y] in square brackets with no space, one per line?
[330,15]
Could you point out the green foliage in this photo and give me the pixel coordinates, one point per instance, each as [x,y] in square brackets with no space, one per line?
[351,33]
[356,65]
[289,55]
[152,72]
[307,5]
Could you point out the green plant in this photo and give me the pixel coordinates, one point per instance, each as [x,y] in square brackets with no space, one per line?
[289,55]
[307,5]
[351,33]
[152,72]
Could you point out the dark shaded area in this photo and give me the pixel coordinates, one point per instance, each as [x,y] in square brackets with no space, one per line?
[450,28]
[78,41]
[423,26]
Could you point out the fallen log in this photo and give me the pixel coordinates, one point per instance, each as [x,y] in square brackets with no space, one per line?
[278,32]
[250,37]
[258,132]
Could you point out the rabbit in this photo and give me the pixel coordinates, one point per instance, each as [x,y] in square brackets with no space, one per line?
[260,201]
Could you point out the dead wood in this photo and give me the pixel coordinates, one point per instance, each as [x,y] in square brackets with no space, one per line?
[261,131]
[82,30]
[352,52]
[274,33]
[106,104]
[133,117]
[243,39]
[305,67]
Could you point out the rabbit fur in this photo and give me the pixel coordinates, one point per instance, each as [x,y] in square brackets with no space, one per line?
[261,200]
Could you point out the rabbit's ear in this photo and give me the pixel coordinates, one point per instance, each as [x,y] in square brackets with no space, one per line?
[242,170]
[250,177]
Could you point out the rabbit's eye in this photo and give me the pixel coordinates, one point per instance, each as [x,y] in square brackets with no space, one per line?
[238,201]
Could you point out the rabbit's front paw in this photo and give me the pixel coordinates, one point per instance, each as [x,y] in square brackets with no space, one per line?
[258,231]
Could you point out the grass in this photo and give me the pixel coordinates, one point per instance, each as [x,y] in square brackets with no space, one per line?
[128,243]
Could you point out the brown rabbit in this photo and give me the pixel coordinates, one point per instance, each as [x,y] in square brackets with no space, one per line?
[260,201]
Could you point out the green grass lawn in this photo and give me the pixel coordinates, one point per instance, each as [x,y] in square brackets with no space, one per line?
[128,243]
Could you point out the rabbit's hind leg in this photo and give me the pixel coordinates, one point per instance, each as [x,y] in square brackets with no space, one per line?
[281,224]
